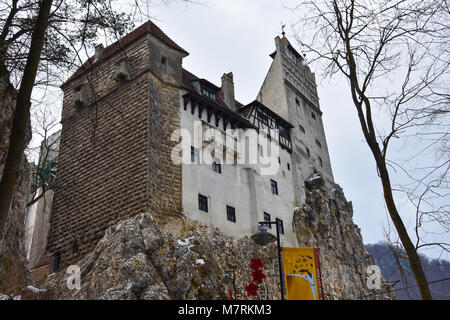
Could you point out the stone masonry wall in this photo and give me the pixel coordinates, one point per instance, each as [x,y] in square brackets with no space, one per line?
[114,156]
[164,183]
[102,158]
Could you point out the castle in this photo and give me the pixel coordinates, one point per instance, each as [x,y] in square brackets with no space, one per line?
[121,113]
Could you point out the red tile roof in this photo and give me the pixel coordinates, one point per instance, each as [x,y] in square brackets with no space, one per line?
[286,42]
[188,77]
[148,27]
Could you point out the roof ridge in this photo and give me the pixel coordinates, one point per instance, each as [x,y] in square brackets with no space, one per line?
[194,77]
[119,44]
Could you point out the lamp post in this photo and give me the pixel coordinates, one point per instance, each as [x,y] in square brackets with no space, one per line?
[263,237]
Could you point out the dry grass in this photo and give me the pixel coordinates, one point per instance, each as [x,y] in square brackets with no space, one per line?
[14,279]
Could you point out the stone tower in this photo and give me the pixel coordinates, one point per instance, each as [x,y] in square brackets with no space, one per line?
[290,90]
[119,111]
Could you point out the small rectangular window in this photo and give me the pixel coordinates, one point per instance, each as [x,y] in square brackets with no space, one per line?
[297,102]
[313,115]
[194,155]
[267,218]
[203,203]
[217,167]
[281,226]
[209,94]
[288,166]
[274,186]
[163,64]
[231,214]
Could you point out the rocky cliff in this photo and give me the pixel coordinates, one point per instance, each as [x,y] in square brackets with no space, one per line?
[13,264]
[138,259]
[325,221]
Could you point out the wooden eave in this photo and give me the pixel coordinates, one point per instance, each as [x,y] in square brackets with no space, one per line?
[204,104]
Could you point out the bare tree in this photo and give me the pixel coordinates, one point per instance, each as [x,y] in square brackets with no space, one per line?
[36,41]
[44,126]
[22,114]
[40,48]
[373,44]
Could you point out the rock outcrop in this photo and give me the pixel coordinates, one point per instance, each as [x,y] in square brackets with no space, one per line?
[136,259]
[13,263]
[325,222]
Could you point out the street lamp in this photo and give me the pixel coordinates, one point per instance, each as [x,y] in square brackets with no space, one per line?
[263,237]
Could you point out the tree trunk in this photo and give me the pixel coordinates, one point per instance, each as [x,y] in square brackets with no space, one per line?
[22,114]
[367,127]
[411,252]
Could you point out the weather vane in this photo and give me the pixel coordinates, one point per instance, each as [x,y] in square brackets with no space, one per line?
[282,28]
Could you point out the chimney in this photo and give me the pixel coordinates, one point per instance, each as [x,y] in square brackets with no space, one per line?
[98,51]
[228,90]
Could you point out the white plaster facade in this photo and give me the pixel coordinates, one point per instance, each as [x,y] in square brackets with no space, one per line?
[289,90]
[37,226]
[240,186]
[37,218]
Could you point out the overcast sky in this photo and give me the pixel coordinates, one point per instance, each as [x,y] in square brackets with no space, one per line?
[238,36]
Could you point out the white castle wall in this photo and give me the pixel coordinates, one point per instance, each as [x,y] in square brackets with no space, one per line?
[239,186]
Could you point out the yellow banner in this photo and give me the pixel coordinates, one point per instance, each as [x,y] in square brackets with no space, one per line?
[302,275]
